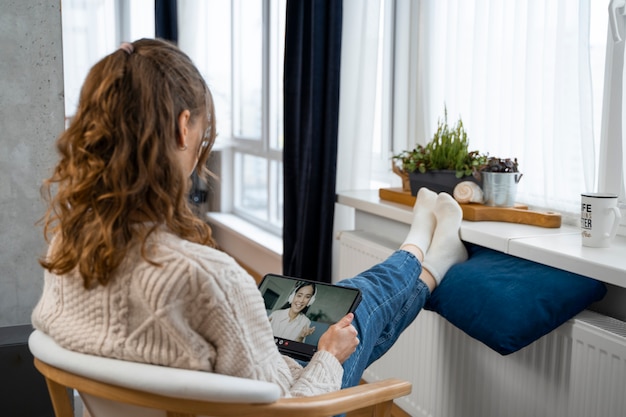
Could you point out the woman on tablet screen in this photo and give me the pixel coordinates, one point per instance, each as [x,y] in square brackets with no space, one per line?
[291,321]
[132,273]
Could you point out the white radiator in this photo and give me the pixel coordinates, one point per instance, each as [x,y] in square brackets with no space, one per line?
[578,369]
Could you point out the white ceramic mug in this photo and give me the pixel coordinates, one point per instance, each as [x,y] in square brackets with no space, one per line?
[599,219]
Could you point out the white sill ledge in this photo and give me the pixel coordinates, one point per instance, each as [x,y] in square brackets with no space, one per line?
[265,240]
[559,248]
[256,248]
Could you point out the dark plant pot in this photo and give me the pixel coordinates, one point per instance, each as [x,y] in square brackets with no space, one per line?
[437,181]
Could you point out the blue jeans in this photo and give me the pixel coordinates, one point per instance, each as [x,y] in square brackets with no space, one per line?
[392,298]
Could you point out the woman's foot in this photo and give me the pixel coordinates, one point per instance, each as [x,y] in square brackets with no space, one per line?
[446,248]
[423,225]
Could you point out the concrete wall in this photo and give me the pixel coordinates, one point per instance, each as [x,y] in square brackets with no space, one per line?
[31,117]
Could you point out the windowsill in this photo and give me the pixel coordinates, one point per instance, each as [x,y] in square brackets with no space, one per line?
[267,241]
[257,250]
[559,248]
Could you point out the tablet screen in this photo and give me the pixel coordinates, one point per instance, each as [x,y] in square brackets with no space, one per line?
[300,311]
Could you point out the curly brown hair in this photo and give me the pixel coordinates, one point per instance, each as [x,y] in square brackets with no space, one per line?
[118,179]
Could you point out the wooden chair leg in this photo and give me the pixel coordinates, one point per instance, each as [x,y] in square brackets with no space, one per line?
[383,409]
[60,399]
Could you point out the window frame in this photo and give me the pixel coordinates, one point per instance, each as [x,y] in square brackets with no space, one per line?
[603,169]
[271,127]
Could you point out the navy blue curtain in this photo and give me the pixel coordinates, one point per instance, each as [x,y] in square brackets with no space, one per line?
[311,88]
[166,20]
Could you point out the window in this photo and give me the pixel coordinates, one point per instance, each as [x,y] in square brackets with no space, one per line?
[238,46]
[93,29]
[383,113]
[526,77]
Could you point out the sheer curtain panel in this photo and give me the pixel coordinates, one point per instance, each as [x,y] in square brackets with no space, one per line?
[519,75]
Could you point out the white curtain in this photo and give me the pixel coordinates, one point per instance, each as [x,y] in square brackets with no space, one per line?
[357,97]
[93,29]
[359,73]
[204,33]
[378,74]
[519,75]
[612,143]
[523,75]
[89,33]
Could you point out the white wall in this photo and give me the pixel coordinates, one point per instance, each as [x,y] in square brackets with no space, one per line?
[31,117]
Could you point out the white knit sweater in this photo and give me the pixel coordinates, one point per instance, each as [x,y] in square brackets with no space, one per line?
[199,310]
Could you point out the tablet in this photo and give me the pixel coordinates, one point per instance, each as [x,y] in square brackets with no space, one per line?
[300,311]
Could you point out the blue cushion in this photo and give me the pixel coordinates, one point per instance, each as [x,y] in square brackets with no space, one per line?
[507,302]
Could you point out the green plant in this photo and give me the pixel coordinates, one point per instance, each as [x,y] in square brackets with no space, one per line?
[319,316]
[448,150]
[494,164]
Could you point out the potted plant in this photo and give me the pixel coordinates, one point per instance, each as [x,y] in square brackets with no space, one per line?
[441,163]
[500,177]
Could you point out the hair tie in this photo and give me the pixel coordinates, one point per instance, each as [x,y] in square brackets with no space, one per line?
[127,47]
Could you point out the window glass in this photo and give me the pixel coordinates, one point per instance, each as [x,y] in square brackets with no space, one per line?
[527,80]
[276,193]
[248,68]
[93,29]
[383,109]
[141,16]
[206,38]
[259,190]
[277,52]
[238,46]
[253,185]
[89,33]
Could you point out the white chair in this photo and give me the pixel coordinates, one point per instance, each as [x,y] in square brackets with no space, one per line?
[111,387]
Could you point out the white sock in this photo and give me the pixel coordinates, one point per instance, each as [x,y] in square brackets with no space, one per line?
[446,248]
[423,225]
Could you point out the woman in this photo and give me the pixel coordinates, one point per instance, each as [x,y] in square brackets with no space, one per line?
[132,274]
[291,321]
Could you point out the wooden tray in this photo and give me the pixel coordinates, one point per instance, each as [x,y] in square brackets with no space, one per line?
[479,212]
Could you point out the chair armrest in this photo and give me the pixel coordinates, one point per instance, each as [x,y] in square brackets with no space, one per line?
[161,380]
[377,396]
[345,400]
[200,393]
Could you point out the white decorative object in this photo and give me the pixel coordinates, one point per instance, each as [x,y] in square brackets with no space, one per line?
[468,192]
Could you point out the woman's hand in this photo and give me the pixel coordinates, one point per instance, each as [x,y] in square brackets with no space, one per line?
[306,331]
[340,339]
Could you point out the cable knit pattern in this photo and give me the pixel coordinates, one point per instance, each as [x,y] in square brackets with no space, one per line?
[199,310]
